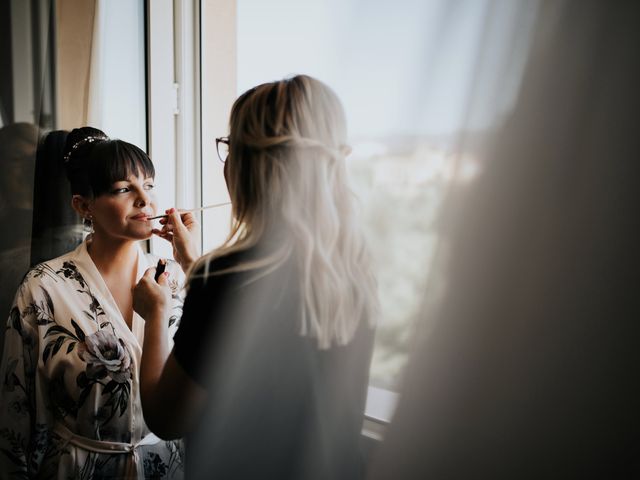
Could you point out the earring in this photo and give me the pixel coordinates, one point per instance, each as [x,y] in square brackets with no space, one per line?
[87,223]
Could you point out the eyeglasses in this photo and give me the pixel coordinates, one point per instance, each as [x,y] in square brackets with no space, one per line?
[222,146]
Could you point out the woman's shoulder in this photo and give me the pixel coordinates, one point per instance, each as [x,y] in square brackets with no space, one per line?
[211,270]
[48,278]
[49,271]
[222,263]
[207,267]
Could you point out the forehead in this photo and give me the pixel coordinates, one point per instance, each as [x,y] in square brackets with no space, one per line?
[134,178]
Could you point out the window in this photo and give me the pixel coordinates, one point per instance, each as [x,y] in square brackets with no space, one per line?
[416,78]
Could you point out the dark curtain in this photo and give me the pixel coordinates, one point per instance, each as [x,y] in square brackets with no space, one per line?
[6,80]
[18,144]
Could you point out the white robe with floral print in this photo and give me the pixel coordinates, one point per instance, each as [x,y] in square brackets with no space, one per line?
[71,364]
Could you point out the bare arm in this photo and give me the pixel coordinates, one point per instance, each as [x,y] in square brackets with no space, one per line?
[171,400]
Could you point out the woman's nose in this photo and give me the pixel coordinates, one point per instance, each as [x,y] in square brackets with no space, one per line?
[143,199]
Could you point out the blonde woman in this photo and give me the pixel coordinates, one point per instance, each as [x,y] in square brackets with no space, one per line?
[268,375]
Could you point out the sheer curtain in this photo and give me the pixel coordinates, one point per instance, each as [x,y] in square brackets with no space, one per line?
[101,67]
[529,367]
[423,85]
[493,153]
[75,20]
[116,100]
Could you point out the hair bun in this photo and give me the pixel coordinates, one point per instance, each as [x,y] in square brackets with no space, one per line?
[79,137]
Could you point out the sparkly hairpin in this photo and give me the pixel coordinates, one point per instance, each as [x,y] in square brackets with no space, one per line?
[79,143]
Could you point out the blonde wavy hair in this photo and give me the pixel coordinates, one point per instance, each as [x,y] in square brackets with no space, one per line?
[286,176]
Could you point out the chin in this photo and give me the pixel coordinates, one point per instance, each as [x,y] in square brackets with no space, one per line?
[142,234]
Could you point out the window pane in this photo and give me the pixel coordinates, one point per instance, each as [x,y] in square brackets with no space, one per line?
[416,79]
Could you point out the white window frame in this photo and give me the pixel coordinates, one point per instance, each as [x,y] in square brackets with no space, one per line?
[218,92]
[173,81]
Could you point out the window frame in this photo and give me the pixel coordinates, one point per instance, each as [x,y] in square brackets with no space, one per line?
[174,117]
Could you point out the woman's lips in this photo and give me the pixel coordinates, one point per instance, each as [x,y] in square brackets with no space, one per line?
[141,217]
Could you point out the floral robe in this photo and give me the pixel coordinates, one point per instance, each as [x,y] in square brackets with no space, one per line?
[70,379]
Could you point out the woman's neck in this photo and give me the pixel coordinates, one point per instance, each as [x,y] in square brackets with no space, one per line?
[111,256]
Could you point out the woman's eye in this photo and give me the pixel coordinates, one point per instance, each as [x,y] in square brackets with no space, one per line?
[149,186]
[120,190]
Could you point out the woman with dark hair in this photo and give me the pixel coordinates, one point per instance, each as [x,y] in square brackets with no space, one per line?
[269,372]
[70,405]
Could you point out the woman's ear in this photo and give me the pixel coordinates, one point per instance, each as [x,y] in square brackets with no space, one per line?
[82,205]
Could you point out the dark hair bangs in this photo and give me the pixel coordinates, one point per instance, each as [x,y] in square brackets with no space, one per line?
[114,161]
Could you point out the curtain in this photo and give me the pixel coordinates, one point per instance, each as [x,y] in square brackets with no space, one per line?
[424,85]
[18,143]
[529,366]
[75,21]
[56,228]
